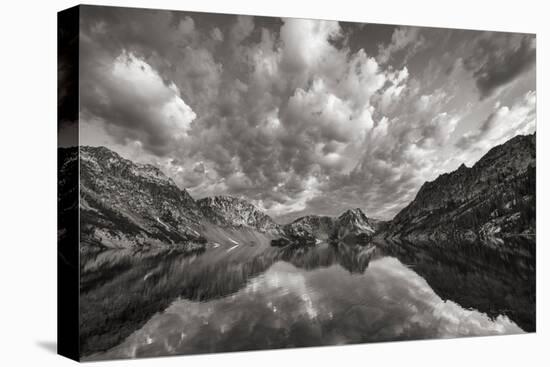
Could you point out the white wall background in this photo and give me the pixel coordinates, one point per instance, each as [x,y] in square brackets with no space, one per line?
[28,182]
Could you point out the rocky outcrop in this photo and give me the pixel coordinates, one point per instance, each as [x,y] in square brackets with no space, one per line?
[316,226]
[227,211]
[351,227]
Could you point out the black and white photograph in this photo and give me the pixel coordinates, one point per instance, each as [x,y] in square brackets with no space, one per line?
[235,183]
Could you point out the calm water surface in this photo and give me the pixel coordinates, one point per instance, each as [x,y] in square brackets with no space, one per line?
[256,297]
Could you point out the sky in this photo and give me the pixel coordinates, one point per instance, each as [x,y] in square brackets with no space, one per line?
[299,116]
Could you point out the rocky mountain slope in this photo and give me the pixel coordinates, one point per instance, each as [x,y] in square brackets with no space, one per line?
[124,204]
[495,197]
[227,211]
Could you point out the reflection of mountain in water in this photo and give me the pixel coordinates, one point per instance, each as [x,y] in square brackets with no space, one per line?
[284,298]
[152,280]
[495,281]
[472,276]
[355,259]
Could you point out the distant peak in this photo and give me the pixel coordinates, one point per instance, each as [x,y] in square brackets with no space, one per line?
[353,212]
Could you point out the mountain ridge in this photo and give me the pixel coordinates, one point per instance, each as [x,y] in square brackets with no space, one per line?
[125,204]
[494,196]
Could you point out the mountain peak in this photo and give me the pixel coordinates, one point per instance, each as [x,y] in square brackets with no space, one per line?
[356,212]
[354,221]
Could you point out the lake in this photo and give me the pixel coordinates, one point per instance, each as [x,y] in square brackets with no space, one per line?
[235,297]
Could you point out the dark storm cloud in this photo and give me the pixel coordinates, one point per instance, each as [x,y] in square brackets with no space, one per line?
[300,116]
[500,58]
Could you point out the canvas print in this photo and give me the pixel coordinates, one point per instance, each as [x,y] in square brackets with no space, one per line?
[237,183]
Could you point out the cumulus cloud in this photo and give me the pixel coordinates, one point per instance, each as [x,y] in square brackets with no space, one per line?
[405,40]
[242,28]
[216,34]
[130,94]
[363,77]
[307,42]
[319,112]
[502,124]
[290,113]
[186,26]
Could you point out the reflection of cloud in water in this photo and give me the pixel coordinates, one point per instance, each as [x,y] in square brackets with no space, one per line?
[290,307]
[283,283]
[443,319]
